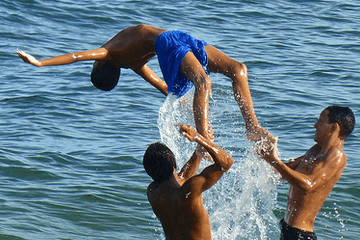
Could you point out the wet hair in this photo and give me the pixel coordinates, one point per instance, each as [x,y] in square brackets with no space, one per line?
[343,116]
[159,162]
[106,76]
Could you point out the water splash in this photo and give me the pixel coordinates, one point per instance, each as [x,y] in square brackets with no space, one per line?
[241,204]
[177,111]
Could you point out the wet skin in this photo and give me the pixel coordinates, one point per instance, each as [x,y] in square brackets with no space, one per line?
[133,47]
[313,175]
[178,201]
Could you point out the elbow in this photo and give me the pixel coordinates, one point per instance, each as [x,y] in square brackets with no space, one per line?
[307,186]
[227,164]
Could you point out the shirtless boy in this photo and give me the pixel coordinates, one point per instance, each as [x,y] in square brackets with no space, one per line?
[313,175]
[184,61]
[177,199]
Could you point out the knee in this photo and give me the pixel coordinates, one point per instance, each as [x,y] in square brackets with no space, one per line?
[203,83]
[240,69]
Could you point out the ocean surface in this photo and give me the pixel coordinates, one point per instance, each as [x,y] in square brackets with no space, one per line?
[71,155]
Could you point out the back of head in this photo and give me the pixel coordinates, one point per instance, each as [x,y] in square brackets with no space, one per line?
[344,116]
[105,75]
[159,162]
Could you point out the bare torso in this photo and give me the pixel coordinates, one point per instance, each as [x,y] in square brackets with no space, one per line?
[181,214]
[303,205]
[133,47]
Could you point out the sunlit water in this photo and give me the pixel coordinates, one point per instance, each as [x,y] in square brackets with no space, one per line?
[71,155]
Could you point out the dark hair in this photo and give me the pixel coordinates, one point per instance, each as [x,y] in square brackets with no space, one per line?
[344,117]
[106,76]
[159,162]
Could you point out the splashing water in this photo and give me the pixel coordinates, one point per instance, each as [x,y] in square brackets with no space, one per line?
[177,111]
[241,204]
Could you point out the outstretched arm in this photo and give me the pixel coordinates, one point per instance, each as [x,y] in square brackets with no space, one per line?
[211,174]
[97,54]
[318,177]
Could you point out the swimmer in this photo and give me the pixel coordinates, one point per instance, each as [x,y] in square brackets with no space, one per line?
[184,61]
[177,199]
[313,175]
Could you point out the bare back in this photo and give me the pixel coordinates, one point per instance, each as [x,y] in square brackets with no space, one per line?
[180,212]
[304,204]
[132,47]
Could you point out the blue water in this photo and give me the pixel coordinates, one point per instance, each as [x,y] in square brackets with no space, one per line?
[71,155]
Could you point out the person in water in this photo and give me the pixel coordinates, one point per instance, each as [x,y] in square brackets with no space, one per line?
[184,62]
[313,175]
[176,198]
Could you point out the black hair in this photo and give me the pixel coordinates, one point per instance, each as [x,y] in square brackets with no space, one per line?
[106,76]
[159,162]
[343,116]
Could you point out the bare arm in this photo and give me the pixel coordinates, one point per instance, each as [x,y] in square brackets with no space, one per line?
[318,177]
[97,54]
[211,174]
[191,167]
[146,73]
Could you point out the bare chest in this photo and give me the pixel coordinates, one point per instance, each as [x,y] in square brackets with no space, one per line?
[309,163]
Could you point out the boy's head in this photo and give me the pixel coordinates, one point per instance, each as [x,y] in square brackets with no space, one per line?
[159,162]
[344,117]
[105,75]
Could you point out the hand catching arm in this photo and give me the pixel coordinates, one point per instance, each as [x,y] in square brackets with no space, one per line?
[223,161]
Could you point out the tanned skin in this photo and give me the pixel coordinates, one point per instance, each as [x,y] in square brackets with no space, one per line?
[178,201]
[313,175]
[133,47]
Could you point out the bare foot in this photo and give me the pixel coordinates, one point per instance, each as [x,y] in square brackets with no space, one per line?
[259,134]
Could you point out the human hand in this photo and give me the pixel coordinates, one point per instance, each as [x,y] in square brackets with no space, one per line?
[210,134]
[188,131]
[266,149]
[28,58]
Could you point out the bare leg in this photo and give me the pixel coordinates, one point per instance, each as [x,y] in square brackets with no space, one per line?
[221,63]
[192,70]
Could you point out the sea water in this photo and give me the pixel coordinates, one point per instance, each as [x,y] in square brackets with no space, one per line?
[71,155]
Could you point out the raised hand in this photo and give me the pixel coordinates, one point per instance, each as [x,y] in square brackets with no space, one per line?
[189,132]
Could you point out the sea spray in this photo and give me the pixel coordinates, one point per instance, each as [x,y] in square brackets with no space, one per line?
[173,112]
[241,204]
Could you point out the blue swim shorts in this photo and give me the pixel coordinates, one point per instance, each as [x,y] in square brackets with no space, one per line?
[171,47]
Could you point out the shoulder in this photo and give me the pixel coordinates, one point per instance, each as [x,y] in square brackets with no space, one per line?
[152,189]
[337,156]
[314,150]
